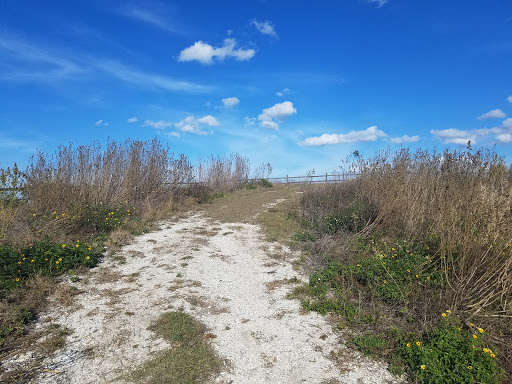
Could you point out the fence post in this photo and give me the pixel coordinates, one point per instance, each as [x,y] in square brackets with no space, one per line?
[325,177]
[286,179]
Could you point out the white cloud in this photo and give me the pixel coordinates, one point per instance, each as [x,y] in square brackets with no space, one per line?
[154,16]
[509,99]
[205,53]
[285,91]
[208,120]
[99,122]
[369,134]
[379,3]
[454,136]
[264,27]
[494,114]
[270,117]
[249,120]
[192,125]
[188,124]
[504,138]
[133,120]
[175,134]
[405,139]
[461,137]
[507,123]
[147,80]
[231,101]
[157,124]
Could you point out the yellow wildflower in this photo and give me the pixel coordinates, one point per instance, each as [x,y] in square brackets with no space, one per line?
[422,366]
[63,245]
[443,314]
[418,343]
[470,367]
[480,330]
[448,311]
[408,345]
[475,337]
[493,355]
[87,257]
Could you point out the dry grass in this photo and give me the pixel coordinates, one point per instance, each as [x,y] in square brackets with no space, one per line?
[457,203]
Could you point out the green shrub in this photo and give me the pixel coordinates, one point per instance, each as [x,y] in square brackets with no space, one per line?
[370,343]
[304,237]
[42,258]
[104,219]
[265,183]
[450,353]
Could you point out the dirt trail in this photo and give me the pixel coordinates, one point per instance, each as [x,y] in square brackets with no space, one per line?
[223,274]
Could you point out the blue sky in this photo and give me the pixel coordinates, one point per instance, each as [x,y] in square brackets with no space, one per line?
[299,84]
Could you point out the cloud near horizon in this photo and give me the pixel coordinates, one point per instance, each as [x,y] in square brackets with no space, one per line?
[369,134]
[502,134]
[271,117]
[189,124]
[405,139]
[205,53]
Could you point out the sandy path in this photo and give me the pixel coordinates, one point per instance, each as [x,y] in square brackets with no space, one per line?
[222,275]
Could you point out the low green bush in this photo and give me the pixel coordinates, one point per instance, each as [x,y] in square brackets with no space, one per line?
[450,353]
[44,258]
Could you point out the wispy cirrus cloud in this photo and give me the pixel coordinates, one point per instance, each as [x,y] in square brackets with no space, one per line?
[153,14]
[367,135]
[379,3]
[132,119]
[26,62]
[205,53]
[146,79]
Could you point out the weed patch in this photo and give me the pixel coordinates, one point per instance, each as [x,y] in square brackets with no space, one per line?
[189,360]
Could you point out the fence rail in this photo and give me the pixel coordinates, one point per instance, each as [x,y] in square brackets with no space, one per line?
[309,179]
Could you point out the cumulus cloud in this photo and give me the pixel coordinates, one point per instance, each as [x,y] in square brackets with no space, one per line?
[192,125]
[369,134]
[285,91]
[205,53]
[494,114]
[265,27]
[379,3]
[133,120]
[507,124]
[405,139]
[157,124]
[231,101]
[504,138]
[509,99]
[188,124]
[271,117]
